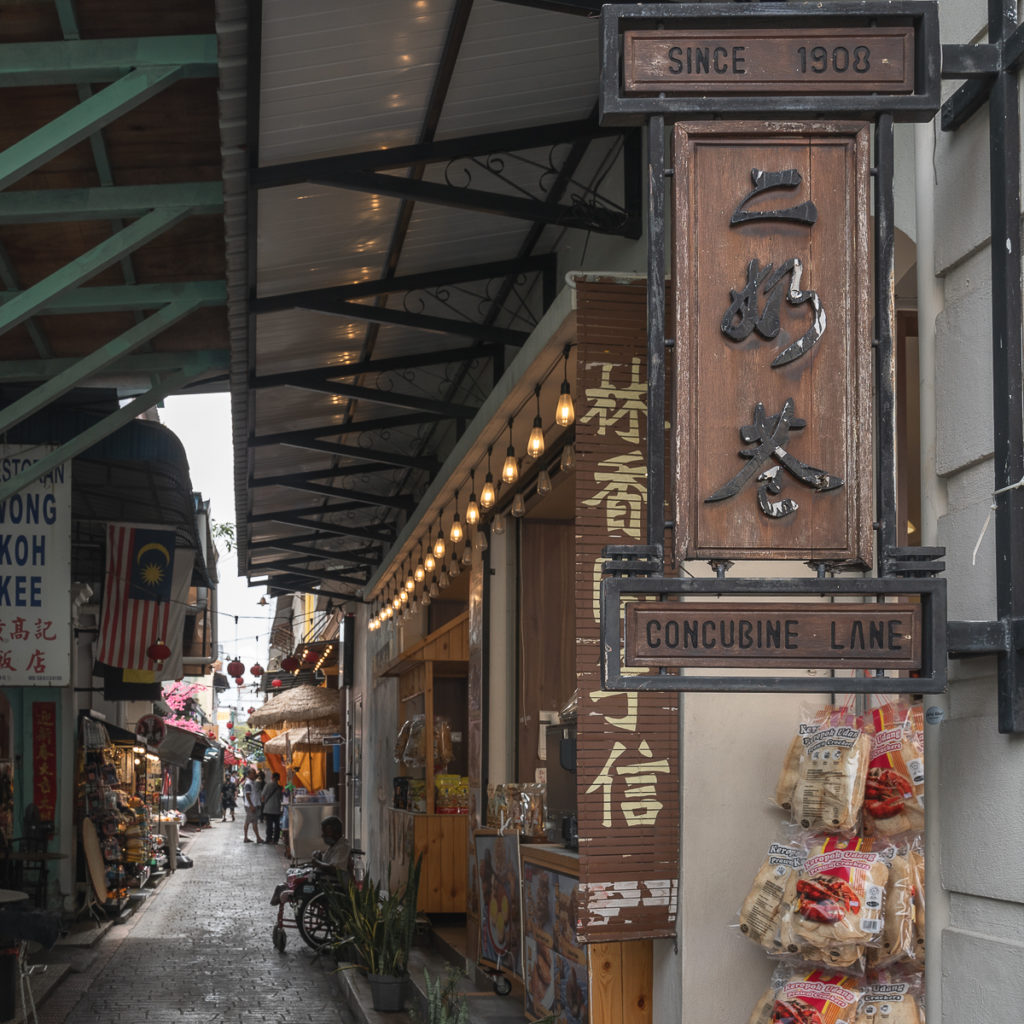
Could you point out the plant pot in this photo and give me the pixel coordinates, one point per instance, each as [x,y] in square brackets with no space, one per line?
[387,992]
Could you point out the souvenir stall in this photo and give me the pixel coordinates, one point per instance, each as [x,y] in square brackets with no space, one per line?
[119,783]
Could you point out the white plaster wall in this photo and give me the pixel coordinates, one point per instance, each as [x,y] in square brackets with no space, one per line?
[979,779]
[733,747]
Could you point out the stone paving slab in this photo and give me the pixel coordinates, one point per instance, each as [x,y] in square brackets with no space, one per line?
[199,951]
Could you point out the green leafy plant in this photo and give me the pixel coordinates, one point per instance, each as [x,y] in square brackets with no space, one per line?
[445,1004]
[376,929]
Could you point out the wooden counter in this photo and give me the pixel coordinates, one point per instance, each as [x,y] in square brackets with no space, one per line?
[441,839]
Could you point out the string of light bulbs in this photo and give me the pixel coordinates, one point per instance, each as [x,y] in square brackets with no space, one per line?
[439,560]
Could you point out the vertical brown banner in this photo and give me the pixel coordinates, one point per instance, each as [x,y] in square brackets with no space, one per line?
[628,767]
[773,440]
[44,758]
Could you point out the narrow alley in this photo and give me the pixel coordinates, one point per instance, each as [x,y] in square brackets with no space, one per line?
[199,950]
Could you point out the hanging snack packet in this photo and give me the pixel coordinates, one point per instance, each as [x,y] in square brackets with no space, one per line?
[773,887]
[840,898]
[830,772]
[915,856]
[897,939]
[890,1000]
[894,789]
[816,997]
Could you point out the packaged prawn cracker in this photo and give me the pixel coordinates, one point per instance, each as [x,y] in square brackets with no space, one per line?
[823,777]
[891,999]
[894,788]
[897,942]
[839,902]
[812,996]
[773,888]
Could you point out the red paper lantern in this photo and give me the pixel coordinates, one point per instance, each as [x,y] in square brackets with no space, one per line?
[257,670]
[239,682]
[212,733]
[290,664]
[250,711]
[277,684]
[158,652]
[236,669]
[309,658]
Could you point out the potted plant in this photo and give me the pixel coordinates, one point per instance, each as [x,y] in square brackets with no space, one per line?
[375,932]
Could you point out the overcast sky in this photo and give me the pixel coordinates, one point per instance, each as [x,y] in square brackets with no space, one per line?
[203,423]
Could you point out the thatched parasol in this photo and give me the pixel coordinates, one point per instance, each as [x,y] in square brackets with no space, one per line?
[300,705]
[302,738]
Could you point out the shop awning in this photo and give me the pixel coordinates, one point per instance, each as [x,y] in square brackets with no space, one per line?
[180,745]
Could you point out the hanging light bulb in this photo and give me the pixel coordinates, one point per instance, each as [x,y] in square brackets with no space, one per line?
[472,509]
[439,543]
[455,533]
[434,588]
[456,566]
[564,412]
[543,483]
[480,540]
[487,495]
[498,523]
[444,579]
[410,584]
[425,600]
[404,597]
[467,554]
[428,562]
[420,572]
[510,468]
[568,458]
[518,505]
[535,444]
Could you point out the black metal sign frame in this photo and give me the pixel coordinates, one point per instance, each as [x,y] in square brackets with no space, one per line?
[618,107]
[617,591]
[638,569]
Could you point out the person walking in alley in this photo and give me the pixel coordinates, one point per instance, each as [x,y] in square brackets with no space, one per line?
[251,802]
[271,801]
[228,797]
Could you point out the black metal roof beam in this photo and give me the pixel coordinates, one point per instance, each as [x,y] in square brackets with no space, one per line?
[282,516]
[408,282]
[391,458]
[297,437]
[402,318]
[334,170]
[403,502]
[418,402]
[363,555]
[599,220]
[312,573]
[384,532]
[285,584]
[584,8]
[324,474]
[316,377]
[353,564]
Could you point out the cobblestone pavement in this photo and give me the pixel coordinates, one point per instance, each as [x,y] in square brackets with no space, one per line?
[199,951]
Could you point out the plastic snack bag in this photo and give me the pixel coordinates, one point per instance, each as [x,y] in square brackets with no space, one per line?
[894,788]
[814,996]
[897,940]
[839,902]
[774,886]
[891,999]
[822,782]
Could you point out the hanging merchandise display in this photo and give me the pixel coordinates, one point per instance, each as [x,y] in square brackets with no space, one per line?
[117,801]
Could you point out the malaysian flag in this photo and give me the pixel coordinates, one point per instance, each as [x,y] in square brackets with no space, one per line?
[145,593]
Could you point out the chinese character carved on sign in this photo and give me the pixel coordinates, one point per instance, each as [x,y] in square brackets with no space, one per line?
[768,281]
[768,436]
[640,804]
